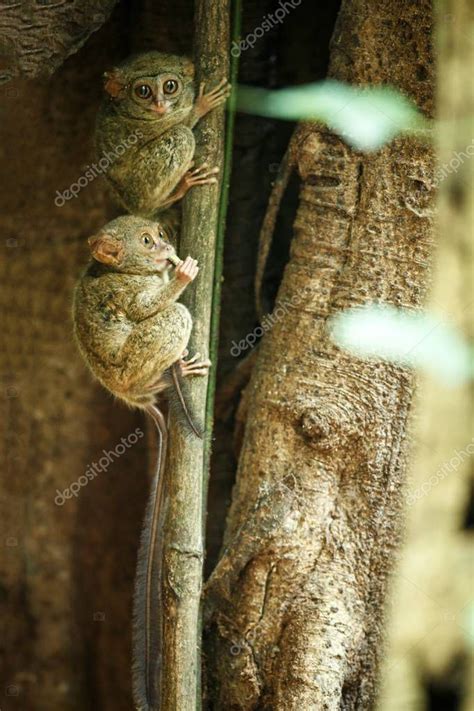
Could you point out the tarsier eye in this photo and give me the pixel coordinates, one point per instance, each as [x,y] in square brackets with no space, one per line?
[170,86]
[143,91]
[161,234]
[148,241]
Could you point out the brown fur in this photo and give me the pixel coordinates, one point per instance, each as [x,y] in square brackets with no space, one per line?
[150,174]
[128,325]
[133,335]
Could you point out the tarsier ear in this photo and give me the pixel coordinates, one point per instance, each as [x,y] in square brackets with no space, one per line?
[106,249]
[188,69]
[113,84]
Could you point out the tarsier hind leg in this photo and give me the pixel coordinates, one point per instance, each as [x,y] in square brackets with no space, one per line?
[156,343]
[145,183]
[193,366]
[161,173]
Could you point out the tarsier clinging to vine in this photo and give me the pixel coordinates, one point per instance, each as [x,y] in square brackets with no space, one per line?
[133,335]
[155,93]
[128,324]
[131,330]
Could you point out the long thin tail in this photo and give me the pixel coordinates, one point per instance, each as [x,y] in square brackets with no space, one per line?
[147,607]
[182,401]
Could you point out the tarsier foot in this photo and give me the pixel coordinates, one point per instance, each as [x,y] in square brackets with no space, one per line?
[200,176]
[193,366]
[194,176]
[157,387]
[213,99]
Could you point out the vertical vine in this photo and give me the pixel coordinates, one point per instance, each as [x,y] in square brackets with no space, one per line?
[187,472]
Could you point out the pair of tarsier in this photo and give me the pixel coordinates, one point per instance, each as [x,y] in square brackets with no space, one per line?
[130,329]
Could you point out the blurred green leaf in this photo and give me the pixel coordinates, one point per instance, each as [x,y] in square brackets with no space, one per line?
[405,338]
[364,117]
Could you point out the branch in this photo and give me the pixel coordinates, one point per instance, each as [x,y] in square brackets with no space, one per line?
[187,471]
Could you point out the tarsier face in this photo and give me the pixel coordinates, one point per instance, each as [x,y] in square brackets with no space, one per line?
[158,94]
[133,245]
[152,85]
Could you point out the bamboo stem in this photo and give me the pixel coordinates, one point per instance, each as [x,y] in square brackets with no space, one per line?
[186,485]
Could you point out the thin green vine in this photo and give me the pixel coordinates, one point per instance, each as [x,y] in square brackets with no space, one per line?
[219,255]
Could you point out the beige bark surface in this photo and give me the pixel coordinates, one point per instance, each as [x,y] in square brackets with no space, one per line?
[295,604]
[430,654]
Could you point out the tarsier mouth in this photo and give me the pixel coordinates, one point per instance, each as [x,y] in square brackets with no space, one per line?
[174,259]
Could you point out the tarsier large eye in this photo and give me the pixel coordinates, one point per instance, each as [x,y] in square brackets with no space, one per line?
[148,241]
[170,86]
[143,91]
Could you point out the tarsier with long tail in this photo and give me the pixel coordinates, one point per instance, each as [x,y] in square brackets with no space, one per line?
[130,329]
[155,93]
[133,335]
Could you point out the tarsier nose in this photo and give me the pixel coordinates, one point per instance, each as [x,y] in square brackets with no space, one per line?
[160,106]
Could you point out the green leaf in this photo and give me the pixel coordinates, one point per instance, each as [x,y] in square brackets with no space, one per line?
[366,118]
[406,338]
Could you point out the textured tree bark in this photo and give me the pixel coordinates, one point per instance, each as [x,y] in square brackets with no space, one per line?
[295,52]
[37,36]
[295,604]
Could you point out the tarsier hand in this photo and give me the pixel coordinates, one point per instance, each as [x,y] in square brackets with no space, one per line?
[187,271]
[216,97]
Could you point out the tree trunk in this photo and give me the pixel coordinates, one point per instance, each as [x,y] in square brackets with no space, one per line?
[295,604]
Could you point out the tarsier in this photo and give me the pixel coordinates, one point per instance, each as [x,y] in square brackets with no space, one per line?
[130,329]
[154,92]
[133,335]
